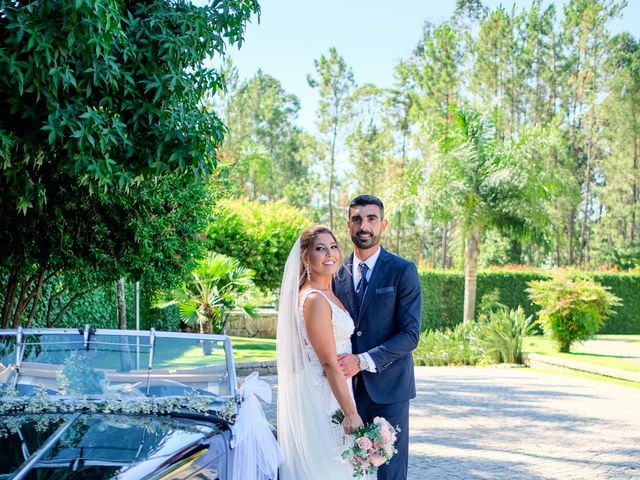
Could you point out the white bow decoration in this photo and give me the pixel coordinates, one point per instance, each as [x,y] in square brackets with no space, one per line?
[257,453]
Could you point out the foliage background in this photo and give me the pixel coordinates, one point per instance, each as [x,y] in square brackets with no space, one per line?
[442,293]
[260,235]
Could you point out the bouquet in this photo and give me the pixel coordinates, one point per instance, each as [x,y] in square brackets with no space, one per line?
[371,447]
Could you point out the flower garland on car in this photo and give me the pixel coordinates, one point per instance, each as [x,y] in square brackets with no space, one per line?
[42,402]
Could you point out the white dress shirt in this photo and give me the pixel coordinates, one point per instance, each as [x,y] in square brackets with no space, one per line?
[371,262]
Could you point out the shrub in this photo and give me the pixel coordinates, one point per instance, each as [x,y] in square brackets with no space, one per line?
[218,284]
[443,293]
[573,307]
[259,235]
[495,338]
[503,334]
[457,346]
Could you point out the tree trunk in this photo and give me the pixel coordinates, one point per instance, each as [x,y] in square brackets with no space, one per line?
[66,306]
[21,300]
[52,298]
[634,206]
[126,361]
[634,187]
[443,247]
[587,199]
[207,327]
[331,171]
[36,296]
[570,228]
[9,298]
[434,245]
[471,253]
[122,305]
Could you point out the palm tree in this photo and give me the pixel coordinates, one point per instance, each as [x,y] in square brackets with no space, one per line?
[217,285]
[481,182]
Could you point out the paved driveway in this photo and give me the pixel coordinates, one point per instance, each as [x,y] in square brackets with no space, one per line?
[502,423]
[516,423]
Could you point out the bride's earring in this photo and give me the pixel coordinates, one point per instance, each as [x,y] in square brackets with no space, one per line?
[308,272]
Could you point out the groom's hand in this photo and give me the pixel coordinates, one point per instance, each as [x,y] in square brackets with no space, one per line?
[350,364]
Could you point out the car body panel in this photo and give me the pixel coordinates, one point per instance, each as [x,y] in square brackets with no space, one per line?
[105,404]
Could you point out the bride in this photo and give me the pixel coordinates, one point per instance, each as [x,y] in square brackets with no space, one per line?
[313,328]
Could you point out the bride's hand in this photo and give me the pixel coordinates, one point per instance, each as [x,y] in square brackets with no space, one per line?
[351,423]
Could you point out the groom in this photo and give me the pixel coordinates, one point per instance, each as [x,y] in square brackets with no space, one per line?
[383,295]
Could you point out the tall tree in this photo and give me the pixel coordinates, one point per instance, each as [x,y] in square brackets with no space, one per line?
[334,81]
[398,105]
[261,117]
[151,233]
[100,101]
[540,63]
[484,182]
[491,75]
[621,115]
[585,38]
[368,142]
[437,64]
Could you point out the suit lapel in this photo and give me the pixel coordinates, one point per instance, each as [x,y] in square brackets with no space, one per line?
[379,272]
[344,284]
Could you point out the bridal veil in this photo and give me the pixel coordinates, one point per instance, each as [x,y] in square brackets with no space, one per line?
[305,431]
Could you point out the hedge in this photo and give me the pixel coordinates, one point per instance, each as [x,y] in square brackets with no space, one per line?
[627,287]
[443,296]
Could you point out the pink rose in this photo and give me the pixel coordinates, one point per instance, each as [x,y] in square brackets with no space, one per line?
[388,450]
[385,432]
[377,459]
[364,443]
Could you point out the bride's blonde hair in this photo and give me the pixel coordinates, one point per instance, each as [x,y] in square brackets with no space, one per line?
[308,239]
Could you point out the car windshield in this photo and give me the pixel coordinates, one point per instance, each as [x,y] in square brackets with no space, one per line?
[128,364]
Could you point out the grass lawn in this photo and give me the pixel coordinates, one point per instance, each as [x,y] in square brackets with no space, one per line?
[253,349]
[244,350]
[628,339]
[580,351]
[590,376]
[181,353]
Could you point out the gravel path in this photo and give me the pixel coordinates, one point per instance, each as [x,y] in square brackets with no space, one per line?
[517,423]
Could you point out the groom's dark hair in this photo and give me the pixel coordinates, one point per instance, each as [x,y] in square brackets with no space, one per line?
[363,200]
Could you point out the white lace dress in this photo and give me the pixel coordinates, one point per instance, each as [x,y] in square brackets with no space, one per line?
[324,462]
[342,330]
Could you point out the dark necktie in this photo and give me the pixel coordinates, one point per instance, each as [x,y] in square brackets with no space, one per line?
[362,284]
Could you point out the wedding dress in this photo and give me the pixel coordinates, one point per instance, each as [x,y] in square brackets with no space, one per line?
[311,443]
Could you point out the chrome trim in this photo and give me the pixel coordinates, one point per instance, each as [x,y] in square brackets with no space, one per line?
[37,455]
[21,334]
[87,331]
[152,341]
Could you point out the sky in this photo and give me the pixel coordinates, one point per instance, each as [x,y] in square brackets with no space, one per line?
[371,35]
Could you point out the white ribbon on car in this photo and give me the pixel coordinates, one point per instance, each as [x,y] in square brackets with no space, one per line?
[257,453]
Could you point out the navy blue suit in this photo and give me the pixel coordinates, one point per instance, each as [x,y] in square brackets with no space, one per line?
[388,325]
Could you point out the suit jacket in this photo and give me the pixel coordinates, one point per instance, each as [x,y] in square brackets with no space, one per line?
[388,324]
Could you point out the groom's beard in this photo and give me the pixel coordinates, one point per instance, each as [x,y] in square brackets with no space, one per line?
[365,243]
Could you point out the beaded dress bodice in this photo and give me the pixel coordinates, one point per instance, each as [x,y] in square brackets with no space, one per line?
[343,328]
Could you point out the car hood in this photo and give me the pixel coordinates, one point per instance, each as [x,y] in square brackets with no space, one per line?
[103,446]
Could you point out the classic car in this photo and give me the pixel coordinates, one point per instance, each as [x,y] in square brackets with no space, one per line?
[102,404]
